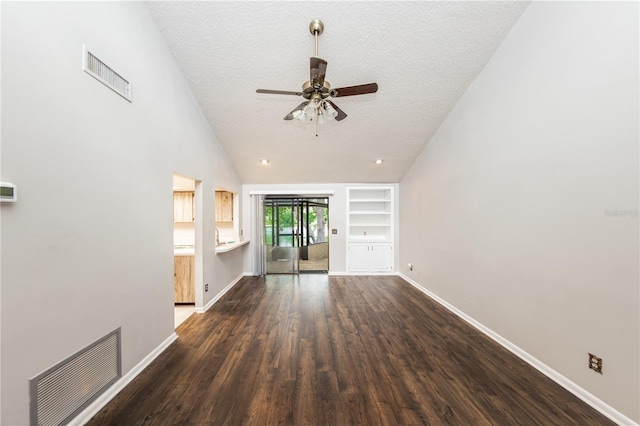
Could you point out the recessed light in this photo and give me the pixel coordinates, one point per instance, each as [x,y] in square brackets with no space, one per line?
[379,161]
[264,161]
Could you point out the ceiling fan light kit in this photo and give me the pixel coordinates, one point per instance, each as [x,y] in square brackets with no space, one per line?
[317,107]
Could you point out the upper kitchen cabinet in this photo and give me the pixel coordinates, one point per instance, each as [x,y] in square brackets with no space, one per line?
[224,206]
[183,207]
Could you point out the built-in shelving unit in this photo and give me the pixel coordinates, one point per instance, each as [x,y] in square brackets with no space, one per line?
[370,228]
[370,214]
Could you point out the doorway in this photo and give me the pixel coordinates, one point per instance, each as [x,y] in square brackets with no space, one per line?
[186,263]
[296,235]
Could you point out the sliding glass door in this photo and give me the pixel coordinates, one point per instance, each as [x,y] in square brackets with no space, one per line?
[296,235]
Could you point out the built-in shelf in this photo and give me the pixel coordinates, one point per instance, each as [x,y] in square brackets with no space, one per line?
[370,212]
[370,229]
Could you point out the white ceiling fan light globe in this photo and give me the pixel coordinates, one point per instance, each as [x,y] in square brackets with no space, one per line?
[331,111]
[321,117]
[311,110]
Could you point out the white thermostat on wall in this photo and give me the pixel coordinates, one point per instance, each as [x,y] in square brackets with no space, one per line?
[8,192]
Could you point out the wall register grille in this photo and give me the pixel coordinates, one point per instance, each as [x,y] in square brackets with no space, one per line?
[105,74]
[64,390]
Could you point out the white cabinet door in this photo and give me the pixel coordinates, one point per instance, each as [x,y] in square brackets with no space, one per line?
[381,257]
[370,257]
[358,257]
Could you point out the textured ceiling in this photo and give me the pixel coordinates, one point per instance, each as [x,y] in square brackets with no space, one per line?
[423,55]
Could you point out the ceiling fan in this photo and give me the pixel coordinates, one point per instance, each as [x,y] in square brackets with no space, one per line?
[317,107]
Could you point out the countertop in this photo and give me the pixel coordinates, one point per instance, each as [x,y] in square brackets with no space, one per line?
[184,250]
[223,248]
[220,248]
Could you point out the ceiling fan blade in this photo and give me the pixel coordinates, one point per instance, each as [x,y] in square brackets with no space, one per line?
[361,89]
[296,111]
[318,69]
[278,92]
[341,114]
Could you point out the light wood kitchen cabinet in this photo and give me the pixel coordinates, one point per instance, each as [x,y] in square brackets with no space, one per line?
[224,206]
[184,279]
[183,207]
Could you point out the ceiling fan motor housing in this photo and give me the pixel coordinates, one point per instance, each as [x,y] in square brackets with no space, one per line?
[308,90]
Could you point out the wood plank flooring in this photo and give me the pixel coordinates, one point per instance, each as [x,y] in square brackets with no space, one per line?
[319,350]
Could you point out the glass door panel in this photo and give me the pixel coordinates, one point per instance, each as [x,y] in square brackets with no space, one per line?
[296,235]
[281,249]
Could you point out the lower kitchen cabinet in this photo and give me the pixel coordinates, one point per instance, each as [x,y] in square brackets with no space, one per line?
[184,279]
[370,257]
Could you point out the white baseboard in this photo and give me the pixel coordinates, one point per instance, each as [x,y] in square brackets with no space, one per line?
[563,381]
[219,295]
[104,399]
[343,273]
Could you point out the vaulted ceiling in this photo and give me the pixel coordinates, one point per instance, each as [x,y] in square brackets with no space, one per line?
[423,55]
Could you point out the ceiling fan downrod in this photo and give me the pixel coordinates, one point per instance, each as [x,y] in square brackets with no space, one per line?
[316,27]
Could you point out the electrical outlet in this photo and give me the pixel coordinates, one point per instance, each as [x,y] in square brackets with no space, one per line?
[206,287]
[410,266]
[595,363]
[334,231]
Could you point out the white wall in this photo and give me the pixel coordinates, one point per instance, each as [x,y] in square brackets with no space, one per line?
[184,234]
[88,247]
[337,219]
[227,231]
[507,214]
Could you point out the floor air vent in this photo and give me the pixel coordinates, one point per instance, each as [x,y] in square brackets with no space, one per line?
[61,392]
[105,74]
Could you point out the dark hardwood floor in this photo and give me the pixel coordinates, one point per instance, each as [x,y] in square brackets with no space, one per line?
[313,349]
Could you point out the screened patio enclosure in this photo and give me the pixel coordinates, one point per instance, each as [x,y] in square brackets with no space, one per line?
[296,235]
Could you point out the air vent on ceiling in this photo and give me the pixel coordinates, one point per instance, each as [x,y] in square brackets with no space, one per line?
[105,74]
[61,392]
